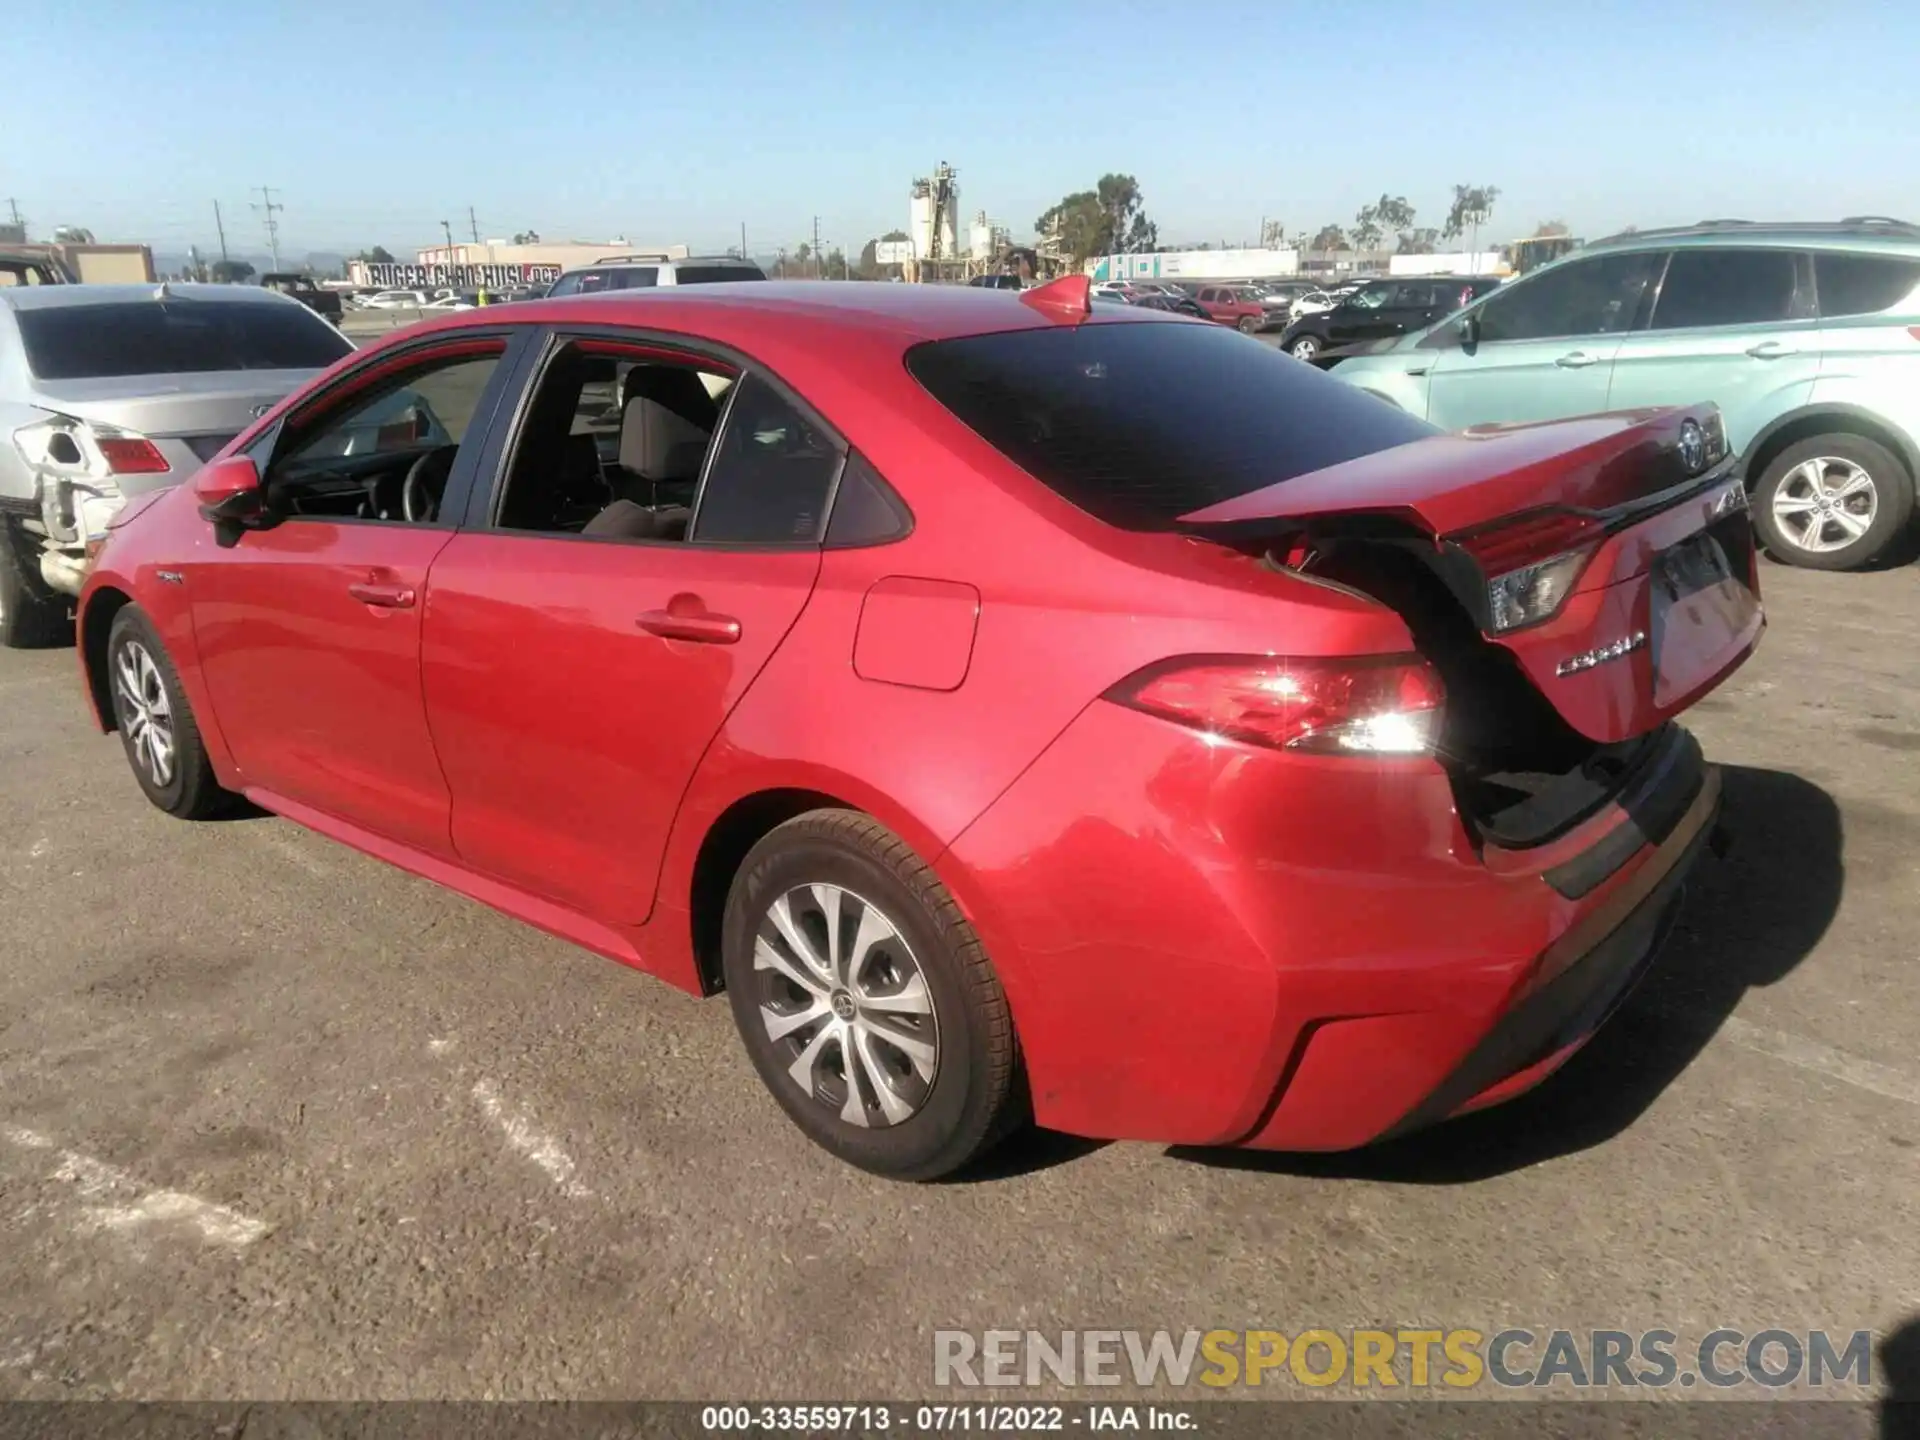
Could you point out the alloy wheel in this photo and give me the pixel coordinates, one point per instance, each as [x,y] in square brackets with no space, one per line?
[1305,348]
[1825,504]
[846,1004]
[144,712]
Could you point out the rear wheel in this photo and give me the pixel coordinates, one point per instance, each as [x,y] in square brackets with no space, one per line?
[865,999]
[33,614]
[1248,325]
[1304,347]
[156,724]
[1833,502]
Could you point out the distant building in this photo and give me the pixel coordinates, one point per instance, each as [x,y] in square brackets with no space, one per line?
[1196,265]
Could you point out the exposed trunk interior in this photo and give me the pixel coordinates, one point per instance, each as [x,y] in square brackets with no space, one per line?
[1521,774]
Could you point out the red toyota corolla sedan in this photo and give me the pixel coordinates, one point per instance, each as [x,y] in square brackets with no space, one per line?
[1018,708]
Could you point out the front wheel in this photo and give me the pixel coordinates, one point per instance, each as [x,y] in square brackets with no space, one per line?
[1833,502]
[865,999]
[1304,347]
[156,725]
[1248,325]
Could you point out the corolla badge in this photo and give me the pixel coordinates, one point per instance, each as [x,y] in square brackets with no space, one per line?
[1693,447]
[1600,655]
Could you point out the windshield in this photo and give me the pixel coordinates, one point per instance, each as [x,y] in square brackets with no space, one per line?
[175,337]
[1138,424]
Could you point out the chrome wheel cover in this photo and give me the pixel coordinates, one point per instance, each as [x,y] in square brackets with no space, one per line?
[144,712]
[1825,504]
[846,1005]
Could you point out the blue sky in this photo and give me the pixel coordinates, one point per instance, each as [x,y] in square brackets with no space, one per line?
[676,122]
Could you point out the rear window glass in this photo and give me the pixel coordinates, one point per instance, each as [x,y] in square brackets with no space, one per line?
[1863,284]
[1139,423]
[712,274]
[175,337]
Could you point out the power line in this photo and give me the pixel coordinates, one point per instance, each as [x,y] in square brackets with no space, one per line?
[270,208]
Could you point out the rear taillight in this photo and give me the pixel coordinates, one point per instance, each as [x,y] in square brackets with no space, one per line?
[1531,562]
[131,455]
[1372,704]
[87,450]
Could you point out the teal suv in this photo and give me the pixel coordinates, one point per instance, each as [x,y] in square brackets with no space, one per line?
[1806,336]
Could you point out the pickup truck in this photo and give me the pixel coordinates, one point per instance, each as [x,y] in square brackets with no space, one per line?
[321,301]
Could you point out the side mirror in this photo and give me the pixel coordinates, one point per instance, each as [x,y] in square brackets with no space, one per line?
[229,489]
[1469,331]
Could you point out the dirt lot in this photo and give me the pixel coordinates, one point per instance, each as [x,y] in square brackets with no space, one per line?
[276,1120]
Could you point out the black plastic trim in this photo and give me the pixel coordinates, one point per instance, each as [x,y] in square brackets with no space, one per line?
[1656,798]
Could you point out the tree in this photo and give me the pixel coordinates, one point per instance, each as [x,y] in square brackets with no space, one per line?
[378,255]
[1106,220]
[1389,215]
[836,267]
[526,237]
[1331,237]
[1366,230]
[230,272]
[1547,229]
[1419,242]
[1472,207]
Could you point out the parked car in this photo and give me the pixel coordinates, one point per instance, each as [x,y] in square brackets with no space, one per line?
[1174,305]
[324,303]
[453,300]
[1233,305]
[1020,723]
[34,265]
[643,272]
[396,300]
[997,282]
[1279,296]
[110,391]
[1803,334]
[1312,302]
[1379,310]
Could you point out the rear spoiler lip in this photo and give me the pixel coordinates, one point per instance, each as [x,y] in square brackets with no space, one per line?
[1409,522]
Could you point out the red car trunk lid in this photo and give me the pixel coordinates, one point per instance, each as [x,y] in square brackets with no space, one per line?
[1666,602]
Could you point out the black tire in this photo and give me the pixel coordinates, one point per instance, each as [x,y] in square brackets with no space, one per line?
[33,615]
[1248,325]
[972,1097]
[1892,501]
[186,788]
[1304,347]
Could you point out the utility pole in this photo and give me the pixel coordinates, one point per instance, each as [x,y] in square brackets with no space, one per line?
[220,226]
[743,239]
[20,220]
[473,225]
[818,271]
[269,208]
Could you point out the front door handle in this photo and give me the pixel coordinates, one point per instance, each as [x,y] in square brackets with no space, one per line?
[1576,360]
[387,597]
[686,617]
[1770,350]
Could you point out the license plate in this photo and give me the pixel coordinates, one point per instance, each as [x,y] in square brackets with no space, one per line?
[1702,615]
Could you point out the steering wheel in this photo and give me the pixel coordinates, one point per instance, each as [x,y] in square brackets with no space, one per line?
[420,502]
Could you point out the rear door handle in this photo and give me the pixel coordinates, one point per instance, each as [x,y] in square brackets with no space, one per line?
[387,597]
[1576,360]
[1770,350]
[686,617]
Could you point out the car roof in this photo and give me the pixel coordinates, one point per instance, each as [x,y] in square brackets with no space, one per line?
[56,297]
[738,313]
[646,259]
[1859,232]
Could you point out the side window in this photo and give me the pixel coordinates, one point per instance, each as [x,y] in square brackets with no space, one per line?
[565,285]
[636,277]
[383,453]
[1371,298]
[866,511]
[1725,287]
[611,444]
[1597,296]
[771,475]
[1865,284]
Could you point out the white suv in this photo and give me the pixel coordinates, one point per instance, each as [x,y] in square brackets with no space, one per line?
[635,272]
